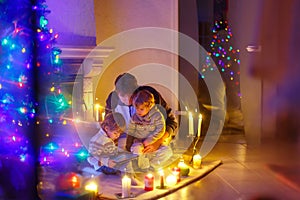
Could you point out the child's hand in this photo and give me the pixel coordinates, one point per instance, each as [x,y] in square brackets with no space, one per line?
[137,148]
[111,163]
[145,143]
[152,147]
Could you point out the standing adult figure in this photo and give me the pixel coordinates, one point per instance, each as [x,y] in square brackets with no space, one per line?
[120,101]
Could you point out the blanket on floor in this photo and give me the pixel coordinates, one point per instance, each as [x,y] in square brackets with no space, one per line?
[110,186]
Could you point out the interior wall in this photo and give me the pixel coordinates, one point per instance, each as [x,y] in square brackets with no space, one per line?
[74,21]
[188,25]
[267,72]
[244,18]
[278,66]
[114,17]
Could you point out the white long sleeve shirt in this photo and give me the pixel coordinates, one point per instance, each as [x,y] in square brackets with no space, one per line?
[101,148]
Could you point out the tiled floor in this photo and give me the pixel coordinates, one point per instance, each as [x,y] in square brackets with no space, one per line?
[245,173]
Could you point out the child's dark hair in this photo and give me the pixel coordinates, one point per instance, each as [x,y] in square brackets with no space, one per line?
[143,97]
[126,83]
[114,121]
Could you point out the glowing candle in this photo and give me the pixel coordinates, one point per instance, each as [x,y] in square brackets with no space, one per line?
[126,186]
[97,108]
[197,161]
[191,124]
[91,186]
[75,181]
[171,180]
[102,115]
[149,182]
[176,173]
[162,179]
[199,125]
[69,180]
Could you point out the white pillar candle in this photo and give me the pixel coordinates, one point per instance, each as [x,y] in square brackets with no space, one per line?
[197,161]
[191,124]
[199,125]
[126,186]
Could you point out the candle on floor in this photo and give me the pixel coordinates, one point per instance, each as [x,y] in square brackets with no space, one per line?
[70,180]
[176,173]
[199,125]
[197,161]
[161,179]
[149,182]
[75,180]
[92,187]
[184,169]
[126,186]
[191,124]
[171,180]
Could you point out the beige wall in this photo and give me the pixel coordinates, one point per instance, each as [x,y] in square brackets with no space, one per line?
[188,25]
[115,16]
[74,21]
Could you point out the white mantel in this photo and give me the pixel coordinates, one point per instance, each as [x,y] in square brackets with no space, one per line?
[89,66]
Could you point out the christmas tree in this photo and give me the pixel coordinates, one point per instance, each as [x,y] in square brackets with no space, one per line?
[58,138]
[60,149]
[33,108]
[226,59]
[17,101]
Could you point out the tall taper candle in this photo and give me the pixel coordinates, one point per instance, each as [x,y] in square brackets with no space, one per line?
[199,125]
[102,116]
[97,112]
[191,124]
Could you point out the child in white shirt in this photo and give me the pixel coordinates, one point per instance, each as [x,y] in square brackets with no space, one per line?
[103,148]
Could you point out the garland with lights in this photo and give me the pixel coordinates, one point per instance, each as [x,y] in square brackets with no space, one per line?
[17,91]
[17,101]
[58,142]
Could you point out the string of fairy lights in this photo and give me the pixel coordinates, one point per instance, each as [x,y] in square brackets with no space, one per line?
[17,102]
[225,56]
[58,144]
[28,56]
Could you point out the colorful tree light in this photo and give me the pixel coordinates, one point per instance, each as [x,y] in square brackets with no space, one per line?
[226,59]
